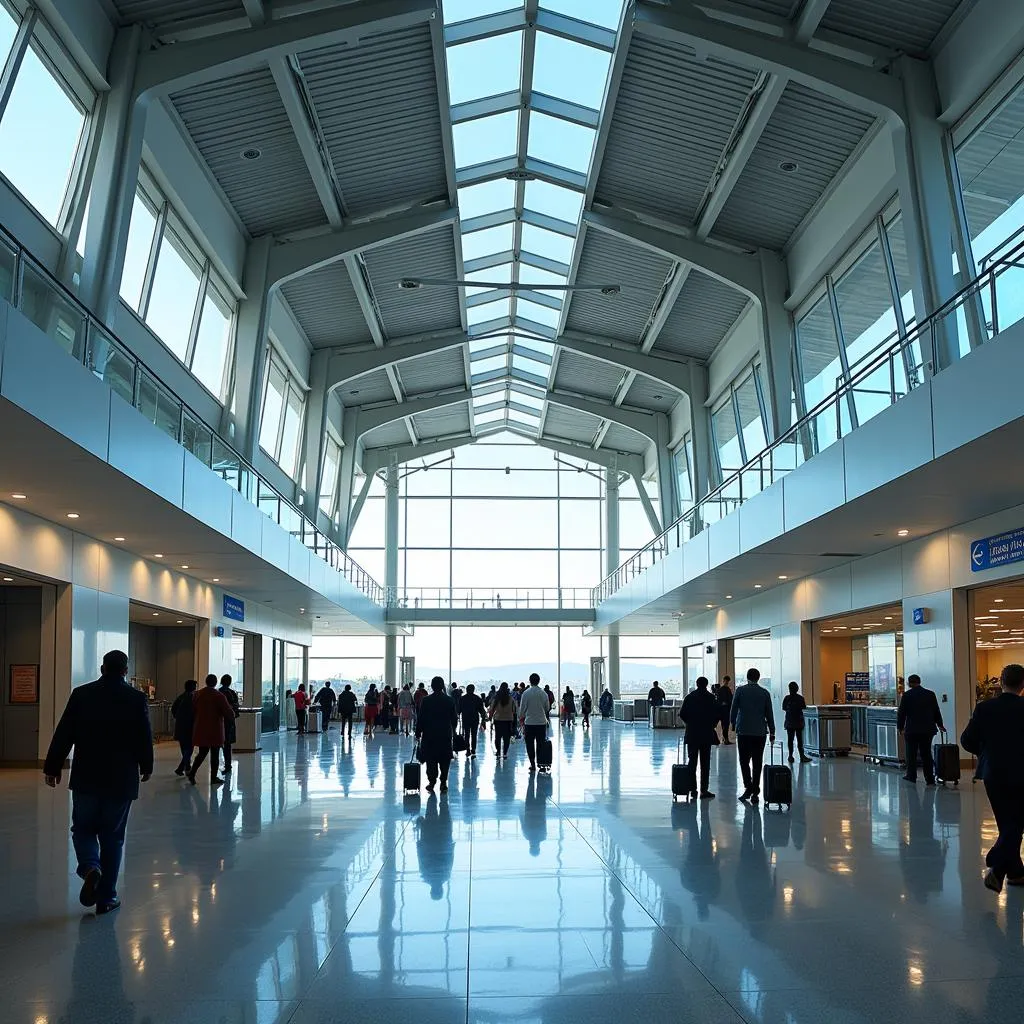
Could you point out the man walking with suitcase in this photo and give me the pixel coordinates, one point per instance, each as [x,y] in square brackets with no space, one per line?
[995,734]
[919,719]
[752,720]
[533,713]
[700,713]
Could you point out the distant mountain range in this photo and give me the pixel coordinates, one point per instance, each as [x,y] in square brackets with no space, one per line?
[573,673]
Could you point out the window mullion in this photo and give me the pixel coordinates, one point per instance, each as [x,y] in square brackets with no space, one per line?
[197,313]
[154,254]
[844,361]
[735,402]
[12,66]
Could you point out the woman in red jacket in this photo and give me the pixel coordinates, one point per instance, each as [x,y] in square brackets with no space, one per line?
[301,699]
[211,711]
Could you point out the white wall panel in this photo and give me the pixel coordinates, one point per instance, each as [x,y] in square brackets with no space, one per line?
[206,497]
[85,553]
[723,540]
[298,560]
[762,518]
[816,488]
[877,579]
[144,453]
[926,564]
[695,557]
[273,543]
[829,593]
[246,523]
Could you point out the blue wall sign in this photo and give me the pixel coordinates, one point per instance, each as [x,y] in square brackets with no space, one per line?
[218,631]
[234,608]
[920,616]
[1002,549]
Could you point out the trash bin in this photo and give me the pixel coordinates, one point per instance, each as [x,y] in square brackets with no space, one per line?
[313,719]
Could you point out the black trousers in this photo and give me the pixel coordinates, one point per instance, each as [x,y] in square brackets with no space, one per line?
[1008,807]
[725,725]
[436,768]
[185,746]
[919,747]
[214,753]
[534,735]
[300,717]
[751,751]
[502,737]
[470,728]
[700,754]
[798,735]
[346,723]
[227,757]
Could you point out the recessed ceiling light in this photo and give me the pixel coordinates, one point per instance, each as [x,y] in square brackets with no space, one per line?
[728,597]
[72,515]
[783,577]
[709,606]
[302,611]
[251,153]
[757,586]
[789,166]
[8,579]
[180,621]
[19,497]
[158,556]
[184,567]
[119,538]
[155,614]
[902,533]
[216,579]
[998,600]
[888,618]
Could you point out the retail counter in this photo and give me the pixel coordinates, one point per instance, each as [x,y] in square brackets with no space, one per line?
[623,711]
[249,730]
[828,730]
[161,721]
[885,744]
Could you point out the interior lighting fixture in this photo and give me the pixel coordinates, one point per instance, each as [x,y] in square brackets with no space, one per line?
[180,621]
[783,577]
[184,567]
[888,618]
[728,597]
[8,579]
[19,497]
[757,586]
[826,631]
[216,579]
[995,600]
[709,606]
[158,556]
[156,615]
[119,539]
[72,515]
[902,533]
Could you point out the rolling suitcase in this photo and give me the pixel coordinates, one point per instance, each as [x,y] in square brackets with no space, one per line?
[947,763]
[411,777]
[545,755]
[684,777]
[778,782]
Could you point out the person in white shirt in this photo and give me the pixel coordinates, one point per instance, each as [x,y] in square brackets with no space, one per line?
[533,713]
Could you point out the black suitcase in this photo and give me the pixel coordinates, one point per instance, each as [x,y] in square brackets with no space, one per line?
[778,782]
[684,777]
[947,763]
[411,776]
[545,754]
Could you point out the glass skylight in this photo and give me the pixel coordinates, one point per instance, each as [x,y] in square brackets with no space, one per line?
[487,197]
[485,67]
[464,10]
[569,70]
[560,142]
[535,276]
[489,311]
[490,240]
[547,243]
[538,314]
[605,13]
[553,200]
[486,138]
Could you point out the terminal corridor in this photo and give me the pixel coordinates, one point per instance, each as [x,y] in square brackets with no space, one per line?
[310,890]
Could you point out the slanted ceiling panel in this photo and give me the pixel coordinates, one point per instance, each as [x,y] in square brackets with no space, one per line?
[325,304]
[429,254]
[570,425]
[910,25]
[651,394]
[673,116]
[160,13]
[367,390]
[388,435]
[378,107]
[436,372]
[622,439]
[815,131]
[273,194]
[584,376]
[607,259]
[442,422]
[703,313]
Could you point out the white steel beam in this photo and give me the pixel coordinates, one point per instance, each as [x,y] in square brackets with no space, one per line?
[669,372]
[642,423]
[346,365]
[858,87]
[188,64]
[444,107]
[256,11]
[648,505]
[357,275]
[371,419]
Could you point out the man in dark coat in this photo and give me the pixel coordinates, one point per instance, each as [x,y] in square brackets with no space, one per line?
[919,718]
[471,711]
[230,728]
[724,697]
[995,734]
[700,713]
[435,728]
[107,723]
[212,712]
[183,710]
[326,698]
[347,704]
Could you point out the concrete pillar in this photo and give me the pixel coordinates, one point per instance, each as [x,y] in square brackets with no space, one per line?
[115,175]
[777,331]
[243,425]
[927,185]
[347,473]
[391,566]
[314,432]
[704,471]
[668,482]
[611,563]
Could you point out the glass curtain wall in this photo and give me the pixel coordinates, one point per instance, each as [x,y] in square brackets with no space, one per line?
[738,422]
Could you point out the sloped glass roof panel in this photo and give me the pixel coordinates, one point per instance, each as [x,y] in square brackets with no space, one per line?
[490,240]
[488,364]
[493,275]
[486,138]
[537,313]
[530,401]
[546,243]
[553,200]
[522,419]
[559,142]
[530,366]
[489,417]
[526,341]
[535,276]
[488,311]
[485,67]
[478,345]
[605,13]
[570,70]
[466,10]
[487,197]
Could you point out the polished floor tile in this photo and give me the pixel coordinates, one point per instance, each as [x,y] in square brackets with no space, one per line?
[311,889]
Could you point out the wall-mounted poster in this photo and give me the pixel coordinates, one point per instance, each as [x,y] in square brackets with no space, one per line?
[24,687]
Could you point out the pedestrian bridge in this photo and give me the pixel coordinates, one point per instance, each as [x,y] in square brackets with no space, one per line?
[437,606]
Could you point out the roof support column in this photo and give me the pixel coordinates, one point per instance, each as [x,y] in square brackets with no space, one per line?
[611,562]
[314,434]
[704,467]
[250,351]
[347,473]
[926,188]
[114,176]
[777,330]
[668,482]
[391,566]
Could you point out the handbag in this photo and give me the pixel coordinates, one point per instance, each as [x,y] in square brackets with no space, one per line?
[459,743]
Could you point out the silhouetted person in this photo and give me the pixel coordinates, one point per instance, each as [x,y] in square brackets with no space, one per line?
[503,714]
[723,694]
[435,729]
[326,698]
[606,703]
[212,712]
[700,714]
[230,727]
[655,699]
[752,719]
[533,713]
[301,699]
[995,734]
[107,724]
[919,719]
[471,710]
[347,704]
[586,708]
[184,716]
[793,706]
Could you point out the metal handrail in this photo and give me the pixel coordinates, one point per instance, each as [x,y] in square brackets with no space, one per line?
[910,360]
[499,599]
[55,309]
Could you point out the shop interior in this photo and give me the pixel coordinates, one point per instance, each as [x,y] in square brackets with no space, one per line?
[21,612]
[997,633]
[860,657]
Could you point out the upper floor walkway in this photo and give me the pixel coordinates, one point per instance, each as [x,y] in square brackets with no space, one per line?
[562,606]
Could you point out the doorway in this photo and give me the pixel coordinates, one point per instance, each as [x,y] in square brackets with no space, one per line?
[996,634]
[859,657]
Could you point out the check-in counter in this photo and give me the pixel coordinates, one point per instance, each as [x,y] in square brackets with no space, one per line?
[248,730]
[885,743]
[623,711]
[828,730]
[666,717]
[161,722]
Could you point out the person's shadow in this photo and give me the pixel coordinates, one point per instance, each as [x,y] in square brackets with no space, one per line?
[96,974]
[699,872]
[534,817]
[435,845]
[470,791]
[755,886]
[923,856]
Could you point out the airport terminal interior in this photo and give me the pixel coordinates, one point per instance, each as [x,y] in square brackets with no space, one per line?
[620,341]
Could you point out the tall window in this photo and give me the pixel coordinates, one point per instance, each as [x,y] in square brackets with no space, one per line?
[684,472]
[170,282]
[329,477]
[42,124]
[738,422]
[284,402]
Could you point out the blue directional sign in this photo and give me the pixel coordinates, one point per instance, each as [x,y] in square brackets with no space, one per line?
[1002,549]
[234,608]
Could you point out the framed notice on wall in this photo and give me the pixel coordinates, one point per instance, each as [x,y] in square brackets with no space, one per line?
[24,688]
